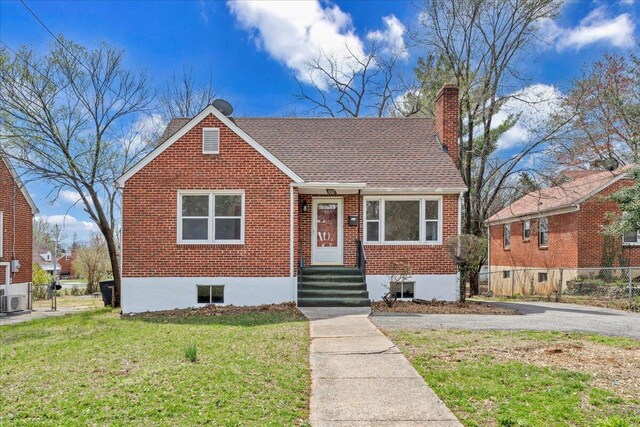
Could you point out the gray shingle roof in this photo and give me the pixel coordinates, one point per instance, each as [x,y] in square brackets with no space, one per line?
[381,152]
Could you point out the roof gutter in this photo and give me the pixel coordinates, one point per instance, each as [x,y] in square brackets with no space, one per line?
[539,214]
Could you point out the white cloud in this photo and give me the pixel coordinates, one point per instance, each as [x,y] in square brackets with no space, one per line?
[296,33]
[143,131]
[392,36]
[534,104]
[596,27]
[627,2]
[70,225]
[69,196]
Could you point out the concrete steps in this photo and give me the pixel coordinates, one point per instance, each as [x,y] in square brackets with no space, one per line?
[332,287]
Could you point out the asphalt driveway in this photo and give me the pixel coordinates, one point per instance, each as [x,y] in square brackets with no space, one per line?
[534,316]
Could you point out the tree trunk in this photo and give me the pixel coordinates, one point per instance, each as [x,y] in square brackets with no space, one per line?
[115,267]
[474,284]
[463,285]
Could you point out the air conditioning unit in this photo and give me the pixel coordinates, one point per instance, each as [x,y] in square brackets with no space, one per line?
[11,303]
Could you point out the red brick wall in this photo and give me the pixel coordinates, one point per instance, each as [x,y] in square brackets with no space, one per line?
[150,211]
[562,250]
[66,266]
[424,259]
[446,120]
[591,241]
[23,222]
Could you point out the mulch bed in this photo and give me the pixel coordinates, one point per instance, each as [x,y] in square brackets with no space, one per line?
[439,307]
[220,310]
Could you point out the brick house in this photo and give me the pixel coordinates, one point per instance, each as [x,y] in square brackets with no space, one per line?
[16,231]
[561,227]
[67,270]
[250,211]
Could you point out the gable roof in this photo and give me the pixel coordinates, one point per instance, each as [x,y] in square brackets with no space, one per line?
[560,197]
[188,126]
[20,184]
[384,153]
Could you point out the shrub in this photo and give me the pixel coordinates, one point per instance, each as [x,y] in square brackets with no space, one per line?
[190,352]
[41,280]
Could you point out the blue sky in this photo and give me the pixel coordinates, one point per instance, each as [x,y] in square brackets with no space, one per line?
[255,49]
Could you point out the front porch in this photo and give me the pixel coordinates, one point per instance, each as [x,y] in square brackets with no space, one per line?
[331,263]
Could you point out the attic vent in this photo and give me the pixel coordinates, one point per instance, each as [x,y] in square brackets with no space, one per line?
[210,141]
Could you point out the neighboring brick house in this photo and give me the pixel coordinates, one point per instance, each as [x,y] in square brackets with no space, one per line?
[16,229]
[67,270]
[222,211]
[562,227]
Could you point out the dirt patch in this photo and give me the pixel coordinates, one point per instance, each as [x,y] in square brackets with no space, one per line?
[613,368]
[439,307]
[223,310]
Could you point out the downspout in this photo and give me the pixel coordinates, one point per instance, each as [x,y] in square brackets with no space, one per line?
[460,196]
[489,258]
[291,245]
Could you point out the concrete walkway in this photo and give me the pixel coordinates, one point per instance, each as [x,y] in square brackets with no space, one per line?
[534,316]
[360,378]
[39,314]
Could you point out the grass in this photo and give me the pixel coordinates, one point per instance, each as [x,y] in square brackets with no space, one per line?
[94,368]
[70,302]
[529,378]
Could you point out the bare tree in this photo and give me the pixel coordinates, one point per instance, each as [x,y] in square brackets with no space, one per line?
[603,106]
[480,44]
[183,96]
[355,85]
[60,114]
[92,262]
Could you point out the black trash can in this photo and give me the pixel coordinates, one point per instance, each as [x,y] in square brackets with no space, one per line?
[106,289]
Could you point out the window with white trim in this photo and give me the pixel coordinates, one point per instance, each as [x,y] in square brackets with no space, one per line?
[526,229]
[403,220]
[211,217]
[543,232]
[631,238]
[403,289]
[210,140]
[210,294]
[507,236]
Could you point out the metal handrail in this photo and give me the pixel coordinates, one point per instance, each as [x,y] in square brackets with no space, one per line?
[361,259]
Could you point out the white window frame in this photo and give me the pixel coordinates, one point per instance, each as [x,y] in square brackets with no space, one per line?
[210,152]
[381,211]
[525,222]
[209,286]
[636,243]
[1,233]
[504,236]
[540,245]
[211,217]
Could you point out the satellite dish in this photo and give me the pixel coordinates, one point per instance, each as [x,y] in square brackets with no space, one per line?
[223,106]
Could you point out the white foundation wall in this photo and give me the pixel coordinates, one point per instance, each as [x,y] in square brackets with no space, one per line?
[141,294]
[442,287]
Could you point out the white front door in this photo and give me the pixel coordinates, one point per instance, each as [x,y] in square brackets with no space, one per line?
[326,231]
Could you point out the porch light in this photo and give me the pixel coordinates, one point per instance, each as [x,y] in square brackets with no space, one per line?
[304,207]
[331,192]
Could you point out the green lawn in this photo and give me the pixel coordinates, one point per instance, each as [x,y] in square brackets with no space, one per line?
[94,368]
[529,378]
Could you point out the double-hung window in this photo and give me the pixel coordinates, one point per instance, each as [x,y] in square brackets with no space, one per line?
[507,236]
[526,229]
[543,232]
[403,220]
[211,217]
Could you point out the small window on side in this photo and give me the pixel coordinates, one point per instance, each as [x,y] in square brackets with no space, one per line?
[506,274]
[543,232]
[210,294]
[542,277]
[526,230]
[507,236]
[632,237]
[404,289]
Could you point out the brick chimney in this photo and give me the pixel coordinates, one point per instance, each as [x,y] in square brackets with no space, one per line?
[447,120]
